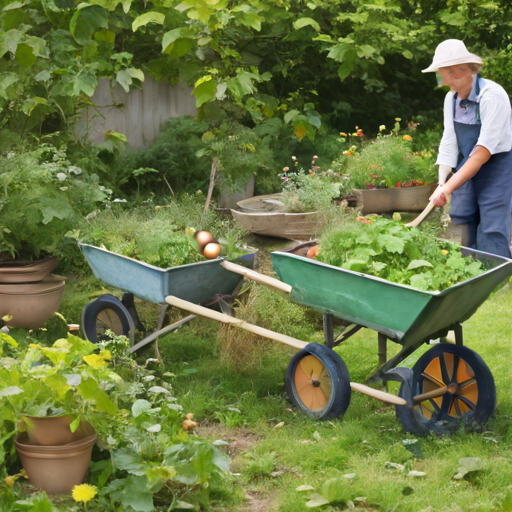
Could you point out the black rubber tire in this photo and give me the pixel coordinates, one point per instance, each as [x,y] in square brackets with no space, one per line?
[340,392]
[413,420]
[93,309]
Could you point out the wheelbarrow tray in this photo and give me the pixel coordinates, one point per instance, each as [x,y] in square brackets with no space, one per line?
[195,282]
[404,314]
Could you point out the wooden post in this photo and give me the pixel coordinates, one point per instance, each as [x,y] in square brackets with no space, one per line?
[212,183]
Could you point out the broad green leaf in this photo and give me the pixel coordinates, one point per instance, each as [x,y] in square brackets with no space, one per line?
[106,36]
[75,424]
[452,18]
[86,21]
[140,407]
[136,495]
[85,83]
[127,459]
[419,263]
[421,281]
[10,391]
[349,60]
[306,22]
[30,104]
[179,47]
[170,37]
[289,116]
[7,80]
[125,77]
[300,130]
[55,355]
[58,384]
[205,90]
[378,266]
[355,265]
[43,76]
[252,19]
[302,488]
[336,490]
[154,428]
[316,500]
[408,54]
[391,243]
[148,17]
[9,41]
[89,390]
[201,14]
[468,465]
[25,55]
[8,339]
[158,476]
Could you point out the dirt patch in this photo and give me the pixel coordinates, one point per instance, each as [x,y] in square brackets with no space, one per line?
[238,439]
[259,502]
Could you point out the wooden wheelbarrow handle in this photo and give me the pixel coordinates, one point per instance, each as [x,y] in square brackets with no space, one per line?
[421,217]
[256,276]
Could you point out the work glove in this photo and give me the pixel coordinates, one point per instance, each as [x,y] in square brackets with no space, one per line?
[440,196]
[444,172]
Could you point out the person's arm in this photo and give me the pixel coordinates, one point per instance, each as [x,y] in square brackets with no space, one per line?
[478,157]
[448,147]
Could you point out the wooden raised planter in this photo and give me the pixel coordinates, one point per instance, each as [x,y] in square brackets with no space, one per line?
[384,200]
[265,215]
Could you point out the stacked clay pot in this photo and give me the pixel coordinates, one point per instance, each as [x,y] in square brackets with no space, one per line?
[54,458]
[29,293]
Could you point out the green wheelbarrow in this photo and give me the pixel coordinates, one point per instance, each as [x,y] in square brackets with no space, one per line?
[449,386]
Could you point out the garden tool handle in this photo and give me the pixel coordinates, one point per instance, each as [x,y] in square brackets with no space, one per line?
[256,276]
[421,217]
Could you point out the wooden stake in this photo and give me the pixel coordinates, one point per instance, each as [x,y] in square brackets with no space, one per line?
[256,276]
[226,319]
[212,183]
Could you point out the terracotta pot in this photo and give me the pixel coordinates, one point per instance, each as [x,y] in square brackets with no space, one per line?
[228,198]
[383,200]
[53,430]
[31,304]
[27,271]
[55,469]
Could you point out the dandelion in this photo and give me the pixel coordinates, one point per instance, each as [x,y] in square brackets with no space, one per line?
[398,119]
[444,252]
[84,492]
[343,134]
[407,137]
[382,127]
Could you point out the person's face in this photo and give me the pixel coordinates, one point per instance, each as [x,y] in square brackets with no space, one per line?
[459,78]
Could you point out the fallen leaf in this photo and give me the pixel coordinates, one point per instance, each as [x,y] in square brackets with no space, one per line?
[416,474]
[280,424]
[468,465]
[394,465]
[303,488]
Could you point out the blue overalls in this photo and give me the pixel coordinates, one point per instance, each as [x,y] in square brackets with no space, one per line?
[483,202]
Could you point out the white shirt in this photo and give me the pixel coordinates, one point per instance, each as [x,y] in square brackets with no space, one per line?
[496,119]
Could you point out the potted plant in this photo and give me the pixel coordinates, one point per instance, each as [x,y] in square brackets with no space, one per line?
[388,176]
[42,197]
[46,396]
[294,213]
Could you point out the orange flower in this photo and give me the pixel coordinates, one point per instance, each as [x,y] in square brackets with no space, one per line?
[189,424]
[360,134]
[343,134]
[407,137]
[444,252]
[398,118]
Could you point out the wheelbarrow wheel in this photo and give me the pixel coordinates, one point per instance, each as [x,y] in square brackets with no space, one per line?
[318,383]
[106,313]
[464,383]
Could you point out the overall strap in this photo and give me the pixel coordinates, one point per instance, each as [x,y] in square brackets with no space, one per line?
[477,107]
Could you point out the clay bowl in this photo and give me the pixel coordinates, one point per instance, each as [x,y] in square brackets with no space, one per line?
[26,271]
[31,304]
[53,430]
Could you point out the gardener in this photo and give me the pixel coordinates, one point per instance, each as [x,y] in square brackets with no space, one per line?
[476,145]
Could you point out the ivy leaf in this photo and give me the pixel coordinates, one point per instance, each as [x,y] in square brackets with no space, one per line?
[125,76]
[306,22]
[419,263]
[86,83]
[87,20]
[148,17]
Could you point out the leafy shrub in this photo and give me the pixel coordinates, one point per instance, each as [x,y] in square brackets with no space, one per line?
[157,236]
[387,249]
[173,155]
[389,162]
[43,197]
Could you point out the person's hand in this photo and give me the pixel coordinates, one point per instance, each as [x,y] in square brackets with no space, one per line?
[440,196]
[444,172]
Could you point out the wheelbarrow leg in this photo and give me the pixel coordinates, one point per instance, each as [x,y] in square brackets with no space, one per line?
[328,331]
[161,318]
[383,348]
[459,339]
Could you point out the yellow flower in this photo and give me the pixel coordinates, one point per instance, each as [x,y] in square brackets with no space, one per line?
[7,318]
[343,134]
[407,137]
[444,252]
[382,127]
[9,480]
[84,492]
[106,354]
[398,118]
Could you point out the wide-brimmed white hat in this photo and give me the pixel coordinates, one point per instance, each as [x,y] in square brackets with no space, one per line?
[450,53]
